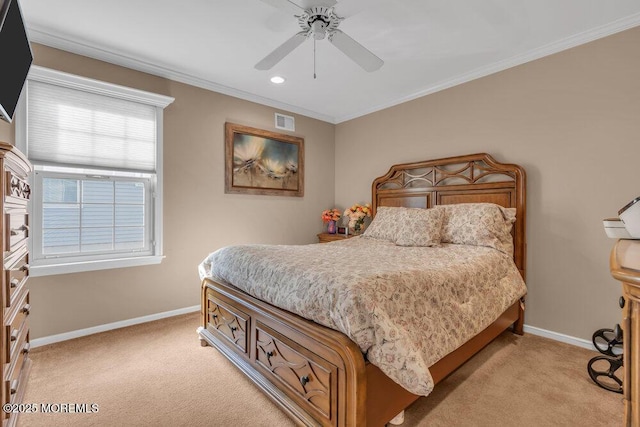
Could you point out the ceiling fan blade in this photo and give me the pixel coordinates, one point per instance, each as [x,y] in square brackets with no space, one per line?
[306,4]
[354,50]
[347,8]
[281,51]
[286,5]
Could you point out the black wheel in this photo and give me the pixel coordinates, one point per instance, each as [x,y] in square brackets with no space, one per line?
[607,342]
[606,372]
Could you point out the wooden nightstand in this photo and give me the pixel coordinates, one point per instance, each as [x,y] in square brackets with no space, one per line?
[326,237]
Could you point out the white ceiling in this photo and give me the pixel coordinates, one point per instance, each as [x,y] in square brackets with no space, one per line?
[427,45]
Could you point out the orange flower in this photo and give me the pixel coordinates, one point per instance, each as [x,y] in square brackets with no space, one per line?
[331,215]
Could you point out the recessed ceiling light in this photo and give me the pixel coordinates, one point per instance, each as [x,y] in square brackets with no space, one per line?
[277,80]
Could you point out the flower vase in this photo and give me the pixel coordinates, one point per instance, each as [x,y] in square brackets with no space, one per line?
[331,227]
[357,229]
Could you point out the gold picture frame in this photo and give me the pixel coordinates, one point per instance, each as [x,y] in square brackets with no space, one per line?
[263,162]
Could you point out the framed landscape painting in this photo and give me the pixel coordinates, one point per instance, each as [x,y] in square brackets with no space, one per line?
[263,162]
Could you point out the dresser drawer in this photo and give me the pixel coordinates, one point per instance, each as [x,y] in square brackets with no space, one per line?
[16,379]
[15,325]
[16,187]
[14,390]
[16,229]
[15,278]
[20,345]
[301,374]
[227,321]
[12,258]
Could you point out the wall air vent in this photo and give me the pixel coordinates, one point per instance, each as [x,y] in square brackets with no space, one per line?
[285,122]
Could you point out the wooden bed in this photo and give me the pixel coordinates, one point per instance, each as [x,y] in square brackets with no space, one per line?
[347,390]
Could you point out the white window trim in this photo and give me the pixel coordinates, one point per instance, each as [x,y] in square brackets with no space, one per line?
[59,78]
[106,264]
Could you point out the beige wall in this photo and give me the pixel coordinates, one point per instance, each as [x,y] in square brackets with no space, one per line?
[198,216]
[572,120]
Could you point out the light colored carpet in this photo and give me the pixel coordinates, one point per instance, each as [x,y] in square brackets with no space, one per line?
[156,374]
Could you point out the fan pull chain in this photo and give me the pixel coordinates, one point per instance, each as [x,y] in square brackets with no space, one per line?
[314,59]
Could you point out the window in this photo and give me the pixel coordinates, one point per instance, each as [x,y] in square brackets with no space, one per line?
[91,215]
[97,187]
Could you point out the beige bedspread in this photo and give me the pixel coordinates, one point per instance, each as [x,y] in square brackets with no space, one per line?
[406,307]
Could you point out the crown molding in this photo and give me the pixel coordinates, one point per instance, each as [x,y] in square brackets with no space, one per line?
[43,36]
[84,48]
[549,49]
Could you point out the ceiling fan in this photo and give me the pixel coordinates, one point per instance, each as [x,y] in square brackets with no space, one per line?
[318,22]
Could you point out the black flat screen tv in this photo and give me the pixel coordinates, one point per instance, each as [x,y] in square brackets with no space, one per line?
[15,57]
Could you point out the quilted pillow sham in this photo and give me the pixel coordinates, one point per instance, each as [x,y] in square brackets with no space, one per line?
[406,226]
[384,225]
[422,228]
[478,224]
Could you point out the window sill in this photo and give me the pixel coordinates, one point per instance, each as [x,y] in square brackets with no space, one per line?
[77,267]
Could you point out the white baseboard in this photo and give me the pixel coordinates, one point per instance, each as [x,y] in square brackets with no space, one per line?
[559,337]
[130,322]
[109,326]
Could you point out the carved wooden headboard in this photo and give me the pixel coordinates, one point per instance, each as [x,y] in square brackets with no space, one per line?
[472,178]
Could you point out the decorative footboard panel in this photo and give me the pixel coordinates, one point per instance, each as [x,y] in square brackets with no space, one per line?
[315,374]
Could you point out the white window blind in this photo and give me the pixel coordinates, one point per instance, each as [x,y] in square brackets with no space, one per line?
[97,187]
[73,127]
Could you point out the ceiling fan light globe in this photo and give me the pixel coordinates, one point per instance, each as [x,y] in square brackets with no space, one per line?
[318,28]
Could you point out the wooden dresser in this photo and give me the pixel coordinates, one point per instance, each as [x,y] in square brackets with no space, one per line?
[15,262]
[625,266]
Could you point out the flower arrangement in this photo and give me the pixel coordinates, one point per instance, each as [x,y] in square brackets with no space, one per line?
[357,214]
[331,215]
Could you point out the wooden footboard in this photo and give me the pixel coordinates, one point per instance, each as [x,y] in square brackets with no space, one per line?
[317,375]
